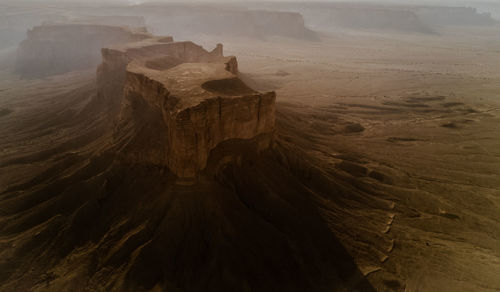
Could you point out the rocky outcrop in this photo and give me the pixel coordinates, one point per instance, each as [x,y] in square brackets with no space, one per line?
[376,18]
[462,16]
[110,20]
[58,48]
[331,16]
[193,97]
[193,20]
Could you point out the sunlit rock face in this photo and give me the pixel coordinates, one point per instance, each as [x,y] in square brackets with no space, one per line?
[58,48]
[179,102]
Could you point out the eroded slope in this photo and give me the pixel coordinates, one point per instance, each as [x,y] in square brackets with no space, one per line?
[81,217]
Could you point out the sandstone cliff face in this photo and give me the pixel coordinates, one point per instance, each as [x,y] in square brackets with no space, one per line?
[194,131]
[193,97]
[112,71]
[59,48]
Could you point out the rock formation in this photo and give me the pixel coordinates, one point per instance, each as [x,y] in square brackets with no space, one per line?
[194,97]
[16,19]
[59,48]
[324,16]
[332,16]
[462,16]
[111,20]
[193,20]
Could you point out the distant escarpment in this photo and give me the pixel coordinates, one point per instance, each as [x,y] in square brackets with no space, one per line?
[58,48]
[461,16]
[324,16]
[193,20]
[88,205]
[109,20]
[179,102]
[355,17]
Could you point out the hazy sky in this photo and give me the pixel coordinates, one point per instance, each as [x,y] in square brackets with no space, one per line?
[427,2]
[437,2]
[430,1]
[477,3]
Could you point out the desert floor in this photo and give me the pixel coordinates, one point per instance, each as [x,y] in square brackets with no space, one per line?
[408,123]
[412,121]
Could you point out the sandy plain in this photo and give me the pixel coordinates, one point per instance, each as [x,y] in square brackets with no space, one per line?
[404,126]
[410,122]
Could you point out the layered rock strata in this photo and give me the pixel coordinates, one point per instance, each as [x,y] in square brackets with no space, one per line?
[195,93]
[58,48]
[193,20]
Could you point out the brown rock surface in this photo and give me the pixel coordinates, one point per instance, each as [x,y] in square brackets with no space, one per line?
[58,48]
[195,93]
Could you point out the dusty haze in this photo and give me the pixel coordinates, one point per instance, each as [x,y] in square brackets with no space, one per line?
[249,146]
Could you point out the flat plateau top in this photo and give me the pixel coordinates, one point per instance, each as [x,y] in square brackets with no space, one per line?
[142,44]
[192,83]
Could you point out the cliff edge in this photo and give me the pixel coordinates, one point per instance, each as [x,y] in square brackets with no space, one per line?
[51,49]
[179,102]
